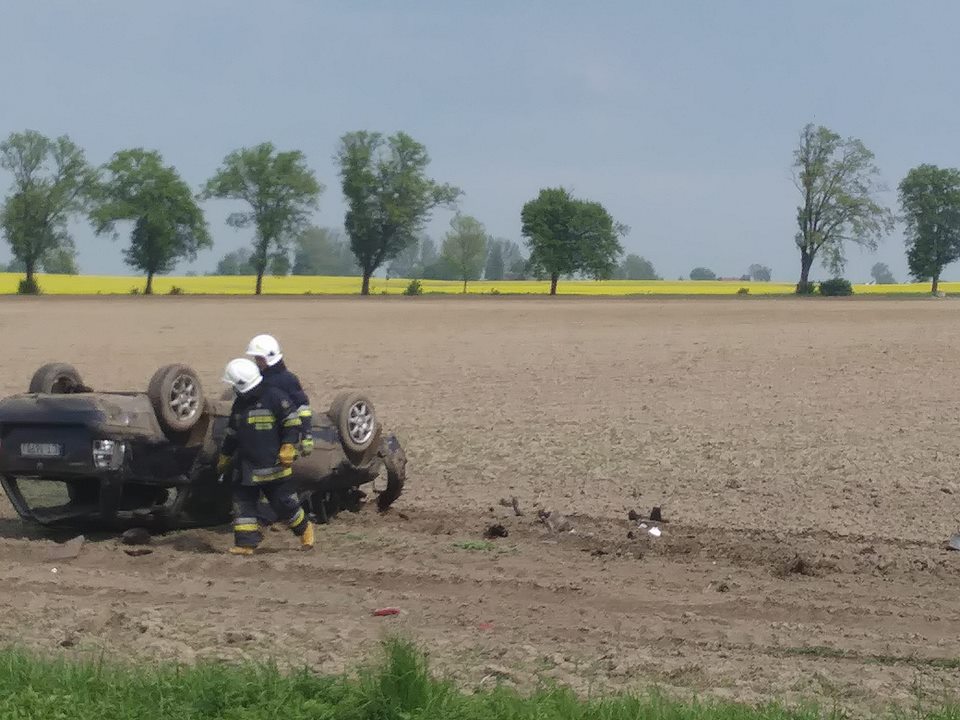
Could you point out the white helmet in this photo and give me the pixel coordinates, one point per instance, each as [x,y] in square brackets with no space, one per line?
[242,374]
[267,347]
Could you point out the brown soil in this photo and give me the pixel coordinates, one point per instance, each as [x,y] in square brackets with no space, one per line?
[803,454]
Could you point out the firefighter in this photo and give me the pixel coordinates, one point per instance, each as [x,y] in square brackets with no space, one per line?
[265,350]
[260,443]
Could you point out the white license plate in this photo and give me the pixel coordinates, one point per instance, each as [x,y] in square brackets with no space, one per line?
[40,450]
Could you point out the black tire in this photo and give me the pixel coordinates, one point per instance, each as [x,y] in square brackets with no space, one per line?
[356,419]
[177,397]
[59,378]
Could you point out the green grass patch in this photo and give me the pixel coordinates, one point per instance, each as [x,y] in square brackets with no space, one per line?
[399,685]
[822,651]
[475,545]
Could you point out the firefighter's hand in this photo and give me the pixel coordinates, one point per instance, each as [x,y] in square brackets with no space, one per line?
[222,463]
[287,453]
[306,445]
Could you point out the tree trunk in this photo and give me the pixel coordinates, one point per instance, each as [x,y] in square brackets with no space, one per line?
[259,282]
[365,288]
[806,262]
[553,283]
[29,286]
[464,286]
[149,289]
[936,283]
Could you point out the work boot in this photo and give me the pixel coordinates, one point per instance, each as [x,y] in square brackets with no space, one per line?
[240,550]
[307,539]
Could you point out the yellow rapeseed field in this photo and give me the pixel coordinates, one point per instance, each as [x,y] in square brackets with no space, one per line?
[322,285]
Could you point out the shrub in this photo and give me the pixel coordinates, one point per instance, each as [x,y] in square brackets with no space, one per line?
[414,288]
[808,289]
[743,291]
[494,291]
[28,287]
[175,290]
[836,287]
[135,291]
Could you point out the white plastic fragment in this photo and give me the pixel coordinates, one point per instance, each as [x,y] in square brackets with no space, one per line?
[655,531]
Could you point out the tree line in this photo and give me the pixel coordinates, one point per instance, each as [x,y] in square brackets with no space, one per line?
[390,199]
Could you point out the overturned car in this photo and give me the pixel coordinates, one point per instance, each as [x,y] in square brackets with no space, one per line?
[73,456]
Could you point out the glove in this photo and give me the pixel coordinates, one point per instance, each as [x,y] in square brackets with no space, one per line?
[222,463]
[306,445]
[287,453]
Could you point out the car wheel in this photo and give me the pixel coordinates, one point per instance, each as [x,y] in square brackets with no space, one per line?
[56,378]
[177,397]
[356,420]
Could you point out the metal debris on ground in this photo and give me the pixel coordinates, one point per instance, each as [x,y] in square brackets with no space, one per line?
[383,612]
[137,551]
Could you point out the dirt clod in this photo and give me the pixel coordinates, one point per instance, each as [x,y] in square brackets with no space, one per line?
[495,531]
[797,565]
[68,550]
[136,536]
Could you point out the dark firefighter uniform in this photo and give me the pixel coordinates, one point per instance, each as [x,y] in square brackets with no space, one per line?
[279,376]
[260,438]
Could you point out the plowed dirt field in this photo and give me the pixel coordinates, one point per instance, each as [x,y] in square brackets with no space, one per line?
[803,452]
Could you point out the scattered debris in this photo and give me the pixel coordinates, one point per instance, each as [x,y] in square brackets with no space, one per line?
[512,503]
[555,521]
[655,531]
[137,551]
[136,536]
[485,626]
[630,535]
[655,515]
[633,516]
[954,542]
[68,550]
[54,571]
[383,612]
[797,565]
[598,552]
[495,531]
[403,516]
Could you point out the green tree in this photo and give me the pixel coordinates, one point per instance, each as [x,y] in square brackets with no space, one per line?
[280,190]
[389,196]
[465,247]
[323,251]
[837,181]
[428,251]
[235,262]
[168,225]
[930,201]
[52,182]
[407,263]
[759,273]
[702,273]
[881,274]
[568,236]
[635,267]
[62,261]
[495,267]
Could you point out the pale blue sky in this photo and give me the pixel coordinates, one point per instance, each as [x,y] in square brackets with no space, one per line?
[679,116]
